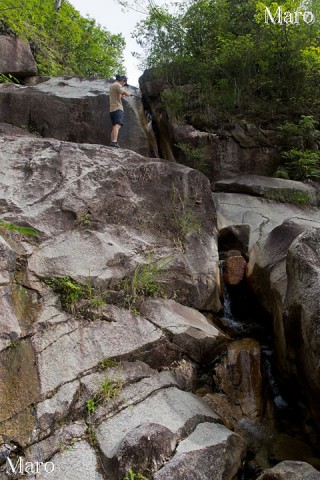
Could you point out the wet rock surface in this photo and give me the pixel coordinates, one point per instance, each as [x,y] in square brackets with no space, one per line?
[286,264]
[234,268]
[239,377]
[301,316]
[234,237]
[282,272]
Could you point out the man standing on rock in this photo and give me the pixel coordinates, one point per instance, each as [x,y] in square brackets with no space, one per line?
[116,92]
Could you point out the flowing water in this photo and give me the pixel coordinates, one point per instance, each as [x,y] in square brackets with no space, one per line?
[281,433]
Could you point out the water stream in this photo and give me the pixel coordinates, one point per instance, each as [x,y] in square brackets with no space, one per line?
[280,433]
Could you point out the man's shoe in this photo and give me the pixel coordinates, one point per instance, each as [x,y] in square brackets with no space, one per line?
[114,144]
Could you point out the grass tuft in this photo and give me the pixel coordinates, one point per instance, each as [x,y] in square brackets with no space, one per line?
[17,228]
[146,281]
[108,390]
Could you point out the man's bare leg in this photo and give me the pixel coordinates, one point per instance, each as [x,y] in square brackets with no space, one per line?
[115,133]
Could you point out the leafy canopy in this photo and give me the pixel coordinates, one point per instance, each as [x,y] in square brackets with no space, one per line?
[235,57]
[64,42]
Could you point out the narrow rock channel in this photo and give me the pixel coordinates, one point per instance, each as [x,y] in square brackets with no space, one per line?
[243,385]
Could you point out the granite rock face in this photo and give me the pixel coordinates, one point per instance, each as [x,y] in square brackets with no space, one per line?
[89,385]
[96,377]
[112,206]
[188,328]
[288,191]
[211,451]
[290,470]
[283,270]
[16,57]
[261,215]
[169,412]
[74,109]
[301,318]
[239,377]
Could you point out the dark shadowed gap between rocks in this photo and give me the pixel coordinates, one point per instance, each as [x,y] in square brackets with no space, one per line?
[280,428]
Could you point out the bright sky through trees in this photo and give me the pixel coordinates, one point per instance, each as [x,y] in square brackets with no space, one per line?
[110,15]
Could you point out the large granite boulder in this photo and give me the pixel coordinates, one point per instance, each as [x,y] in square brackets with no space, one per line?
[211,451]
[78,373]
[290,470]
[16,57]
[238,379]
[301,318]
[288,191]
[152,429]
[260,215]
[283,271]
[242,386]
[74,109]
[119,208]
[187,328]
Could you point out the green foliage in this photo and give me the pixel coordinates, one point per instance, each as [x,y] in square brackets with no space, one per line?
[195,157]
[174,101]
[282,173]
[97,301]
[14,344]
[302,135]
[303,161]
[84,220]
[193,154]
[68,289]
[74,296]
[92,436]
[91,405]
[302,165]
[286,196]
[131,475]
[107,363]
[8,78]
[31,129]
[16,228]
[236,58]
[65,43]
[108,390]
[146,280]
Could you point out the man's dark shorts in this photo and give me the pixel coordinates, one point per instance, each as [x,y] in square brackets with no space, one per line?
[117,117]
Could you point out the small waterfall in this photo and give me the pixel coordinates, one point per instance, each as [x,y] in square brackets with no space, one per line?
[278,432]
[145,119]
[229,319]
[278,400]
[151,135]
